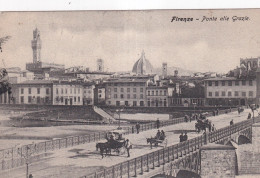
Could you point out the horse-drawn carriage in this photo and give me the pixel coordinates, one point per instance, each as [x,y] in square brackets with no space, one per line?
[115,142]
[158,139]
[202,123]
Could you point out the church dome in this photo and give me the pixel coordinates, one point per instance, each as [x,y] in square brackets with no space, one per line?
[142,66]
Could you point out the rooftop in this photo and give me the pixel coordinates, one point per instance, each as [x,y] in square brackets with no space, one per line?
[126,80]
[162,87]
[224,79]
[36,82]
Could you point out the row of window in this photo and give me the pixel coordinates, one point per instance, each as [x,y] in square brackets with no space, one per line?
[31,99]
[66,91]
[236,93]
[127,103]
[61,99]
[157,103]
[156,93]
[38,99]
[128,96]
[87,91]
[128,90]
[47,91]
[126,84]
[230,83]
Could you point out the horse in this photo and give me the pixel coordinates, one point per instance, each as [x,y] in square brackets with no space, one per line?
[116,145]
[104,147]
[155,141]
[152,141]
[201,126]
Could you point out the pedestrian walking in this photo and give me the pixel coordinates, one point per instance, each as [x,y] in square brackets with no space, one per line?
[217,112]
[137,127]
[185,137]
[210,127]
[128,147]
[231,122]
[133,129]
[181,137]
[186,118]
[158,123]
[213,128]
[238,110]
[249,116]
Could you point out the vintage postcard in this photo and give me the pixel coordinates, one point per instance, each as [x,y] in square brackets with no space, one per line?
[130,93]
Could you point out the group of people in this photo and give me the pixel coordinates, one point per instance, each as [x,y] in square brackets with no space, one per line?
[160,135]
[215,112]
[183,138]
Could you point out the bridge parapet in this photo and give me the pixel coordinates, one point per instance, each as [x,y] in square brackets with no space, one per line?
[232,132]
[183,155]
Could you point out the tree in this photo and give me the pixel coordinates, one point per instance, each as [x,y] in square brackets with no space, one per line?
[5,86]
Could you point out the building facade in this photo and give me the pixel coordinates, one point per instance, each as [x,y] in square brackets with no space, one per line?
[230,91]
[88,93]
[33,92]
[67,93]
[157,96]
[126,92]
[46,92]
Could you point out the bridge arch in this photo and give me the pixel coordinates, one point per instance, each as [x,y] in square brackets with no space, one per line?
[242,139]
[187,173]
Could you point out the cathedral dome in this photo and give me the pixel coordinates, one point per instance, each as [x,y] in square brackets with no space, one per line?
[142,66]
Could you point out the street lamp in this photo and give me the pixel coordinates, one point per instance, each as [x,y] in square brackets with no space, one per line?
[118,112]
[27,156]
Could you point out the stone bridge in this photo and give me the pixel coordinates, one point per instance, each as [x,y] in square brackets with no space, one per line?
[185,159]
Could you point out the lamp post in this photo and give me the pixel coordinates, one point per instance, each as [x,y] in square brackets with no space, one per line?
[27,156]
[118,112]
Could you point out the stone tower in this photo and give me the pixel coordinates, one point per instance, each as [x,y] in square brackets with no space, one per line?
[36,46]
[164,69]
[100,65]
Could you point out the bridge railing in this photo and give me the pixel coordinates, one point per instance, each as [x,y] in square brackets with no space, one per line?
[156,158]
[9,157]
[227,131]
[144,163]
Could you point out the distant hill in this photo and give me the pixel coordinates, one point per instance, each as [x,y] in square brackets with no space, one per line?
[170,71]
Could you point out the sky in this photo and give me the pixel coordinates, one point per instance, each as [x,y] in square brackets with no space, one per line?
[79,38]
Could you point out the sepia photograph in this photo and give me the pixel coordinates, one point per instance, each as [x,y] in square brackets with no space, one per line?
[130,93]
